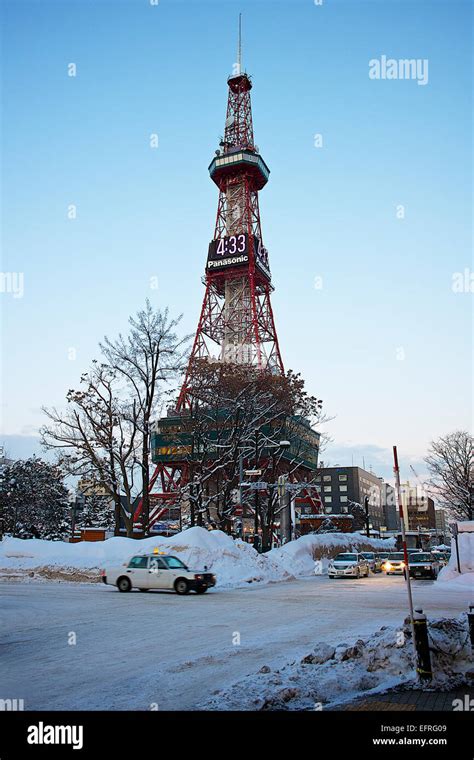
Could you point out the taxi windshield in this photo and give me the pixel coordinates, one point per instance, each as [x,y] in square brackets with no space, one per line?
[174,562]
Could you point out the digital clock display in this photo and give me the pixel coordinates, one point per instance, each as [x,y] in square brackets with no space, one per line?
[228,252]
[234,251]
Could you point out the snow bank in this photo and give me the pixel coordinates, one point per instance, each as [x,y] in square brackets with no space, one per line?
[300,555]
[466,558]
[332,675]
[233,561]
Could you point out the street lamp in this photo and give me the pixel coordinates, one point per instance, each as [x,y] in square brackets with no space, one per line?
[268,444]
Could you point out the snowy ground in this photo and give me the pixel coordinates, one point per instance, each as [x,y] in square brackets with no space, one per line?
[161,651]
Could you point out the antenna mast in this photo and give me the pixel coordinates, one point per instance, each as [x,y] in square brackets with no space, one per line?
[239,47]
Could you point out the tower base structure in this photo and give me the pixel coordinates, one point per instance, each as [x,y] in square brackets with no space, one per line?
[177,455]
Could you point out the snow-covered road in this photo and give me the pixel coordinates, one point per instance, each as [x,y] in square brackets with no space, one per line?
[137,650]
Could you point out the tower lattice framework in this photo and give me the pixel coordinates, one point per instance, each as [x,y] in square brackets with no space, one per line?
[236,322]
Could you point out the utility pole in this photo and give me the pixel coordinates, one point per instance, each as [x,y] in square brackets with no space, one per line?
[455,531]
[285,510]
[396,471]
[257,506]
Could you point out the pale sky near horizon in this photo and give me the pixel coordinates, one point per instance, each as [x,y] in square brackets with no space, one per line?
[364,300]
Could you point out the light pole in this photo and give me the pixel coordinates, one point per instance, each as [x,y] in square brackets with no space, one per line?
[268,444]
[257,501]
[367,518]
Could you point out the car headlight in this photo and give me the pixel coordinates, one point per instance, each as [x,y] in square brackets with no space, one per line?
[387,565]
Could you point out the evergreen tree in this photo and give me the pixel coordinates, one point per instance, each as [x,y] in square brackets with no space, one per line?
[34,500]
[98,512]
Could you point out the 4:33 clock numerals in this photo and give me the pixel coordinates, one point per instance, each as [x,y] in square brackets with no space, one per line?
[231,245]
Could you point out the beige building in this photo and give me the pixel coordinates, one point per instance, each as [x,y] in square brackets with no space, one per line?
[418,507]
[89,487]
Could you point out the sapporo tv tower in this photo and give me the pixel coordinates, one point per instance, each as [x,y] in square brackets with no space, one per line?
[236,316]
[236,322]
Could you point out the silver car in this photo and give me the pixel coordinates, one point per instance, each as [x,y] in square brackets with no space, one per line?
[348,565]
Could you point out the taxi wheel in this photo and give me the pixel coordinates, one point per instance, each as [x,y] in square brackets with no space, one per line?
[181,586]
[123,584]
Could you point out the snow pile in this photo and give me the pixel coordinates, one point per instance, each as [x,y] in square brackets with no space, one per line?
[234,562]
[331,675]
[299,556]
[466,558]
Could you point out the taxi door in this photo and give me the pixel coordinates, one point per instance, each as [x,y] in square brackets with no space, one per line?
[156,573]
[137,571]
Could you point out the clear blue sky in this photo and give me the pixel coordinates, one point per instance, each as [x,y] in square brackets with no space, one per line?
[327,212]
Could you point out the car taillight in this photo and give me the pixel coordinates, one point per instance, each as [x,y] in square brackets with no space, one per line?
[198,577]
[102,572]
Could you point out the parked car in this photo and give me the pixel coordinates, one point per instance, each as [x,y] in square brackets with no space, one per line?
[423,565]
[348,565]
[395,564]
[374,560]
[443,557]
[157,571]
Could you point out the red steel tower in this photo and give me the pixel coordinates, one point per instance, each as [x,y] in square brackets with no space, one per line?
[236,323]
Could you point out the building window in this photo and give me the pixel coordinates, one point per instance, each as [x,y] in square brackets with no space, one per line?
[328,509]
[343,488]
[343,499]
[327,499]
[345,510]
[327,478]
[327,489]
[343,478]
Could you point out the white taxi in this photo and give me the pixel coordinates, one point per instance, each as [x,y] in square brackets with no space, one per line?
[160,571]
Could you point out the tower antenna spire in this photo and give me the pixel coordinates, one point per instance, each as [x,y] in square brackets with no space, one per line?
[239,47]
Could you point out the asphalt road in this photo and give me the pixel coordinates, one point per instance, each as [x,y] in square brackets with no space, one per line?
[78,646]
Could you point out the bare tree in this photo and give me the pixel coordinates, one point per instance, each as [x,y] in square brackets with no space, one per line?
[97,438]
[237,414]
[450,463]
[147,359]
[104,434]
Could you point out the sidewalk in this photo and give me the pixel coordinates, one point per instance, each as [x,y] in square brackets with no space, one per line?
[414,701]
